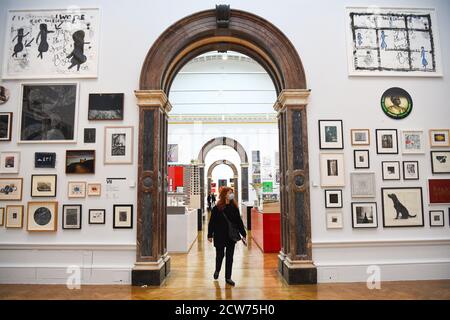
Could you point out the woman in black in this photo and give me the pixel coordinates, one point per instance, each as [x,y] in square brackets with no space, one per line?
[218,229]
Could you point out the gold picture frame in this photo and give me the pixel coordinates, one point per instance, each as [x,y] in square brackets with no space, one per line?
[14,213]
[42,216]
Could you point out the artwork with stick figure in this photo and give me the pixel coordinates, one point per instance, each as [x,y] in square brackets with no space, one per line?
[51,44]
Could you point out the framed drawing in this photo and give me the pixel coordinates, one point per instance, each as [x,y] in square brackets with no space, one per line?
[105,106]
[396,103]
[361,159]
[390,170]
[5,126]
[76,189]
[9,162]
[360,137]
[363,184]
[410,170]
[2,216]
[330,134]
[44,160]
[54,43]
[439,138]
[43,185]
[122,216]
[172,152]
[80,161]
[332,170]
[364,215]
[14,217]
[4,95]
[333,198]
[387,141]
[71,217]
[440,162]
[413,142]
[118,145]
[94,189]
[97,216]
[89,135]
[42,216]
[49,113]
[439,191]
[402,207]
[436,218]
[334,220]
[393,42]
[256,156]
[11,189]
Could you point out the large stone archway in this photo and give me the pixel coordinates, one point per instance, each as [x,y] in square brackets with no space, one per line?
[230,164]
[221,30]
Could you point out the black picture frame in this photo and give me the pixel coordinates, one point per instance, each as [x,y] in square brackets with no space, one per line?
[6,120]
[375,215]
[341,145]
[44,175]
[104,216]
[442,214]
[396,92]
[81,161]
[383,172]
[433,169]
[329,191]
[45,160]
[89,135]
[115,226]
[64,216]
[354,158]
[106,106]
[404,170]
[383,204]
[377,131]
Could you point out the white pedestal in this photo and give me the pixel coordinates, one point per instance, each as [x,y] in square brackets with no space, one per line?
[181,230]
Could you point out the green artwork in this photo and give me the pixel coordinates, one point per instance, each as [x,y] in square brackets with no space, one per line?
[267,186]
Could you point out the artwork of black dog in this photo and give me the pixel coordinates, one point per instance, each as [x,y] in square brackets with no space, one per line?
[400,208]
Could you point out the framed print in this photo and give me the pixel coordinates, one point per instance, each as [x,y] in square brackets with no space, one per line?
[97,216]
[14,217]
[11,189]
[330,134]
[42,216]
[71,217]
[4,95]
[51,43]
[390,170]
[80,161]
[361,159]
[387,141]
[364,215]
[439,138]
[49,113]
[396,103]
[332,170]
[334,220]
[440,162]
[360,137]
[9,162]
[333,198]
[45,160]
[105,106]
[43,185]
[76,189]
[89,135]
[413,142]
[402,207]
[439,191]
[363,184]
[436,218]
[410,170]
[94,189]
[5,126]
[118,145]
[2,216]
[123,216]
[172,152]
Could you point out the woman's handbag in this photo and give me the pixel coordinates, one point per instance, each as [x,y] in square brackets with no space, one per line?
[233,232]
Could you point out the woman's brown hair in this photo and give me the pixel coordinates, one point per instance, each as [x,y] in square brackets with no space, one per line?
[223,198]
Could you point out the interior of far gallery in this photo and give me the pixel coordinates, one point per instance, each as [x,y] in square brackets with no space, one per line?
[330,124]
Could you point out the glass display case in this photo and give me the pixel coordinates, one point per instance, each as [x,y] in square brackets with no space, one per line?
[177,199]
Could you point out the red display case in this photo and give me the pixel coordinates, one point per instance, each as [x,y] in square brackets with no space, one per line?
[266,230]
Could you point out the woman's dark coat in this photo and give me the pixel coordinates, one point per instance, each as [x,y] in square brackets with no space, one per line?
[218,226]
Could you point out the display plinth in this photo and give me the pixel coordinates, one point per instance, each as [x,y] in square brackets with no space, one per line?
[182,228]
[297,273]
[266,231]
[150,274]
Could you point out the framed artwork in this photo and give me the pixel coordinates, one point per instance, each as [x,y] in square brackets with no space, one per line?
[387,141]
[42,216]
[43,185]
[44,160]
[440,162]
[360,137]
[76,189]
[439,138]
[14,217]
[97,216]
[123,216]
[413,142]
[172,153]
[52,43]
[396,103]
[256,168]
[410,170]
[94,189]
[364,215]
[105,106]
[436,218]
[330,134]
[334,220]
[5,126]
[393,42]
[333,198]
[11,189]
[267,186]
[256,156]
[2,216]
[89,135]
[71,217]
[361,159]
[9,162]
[363,184]
[80,161]
[118,145]
[4,95]
[390,170]
[439,191]
[332,170]
[402,207]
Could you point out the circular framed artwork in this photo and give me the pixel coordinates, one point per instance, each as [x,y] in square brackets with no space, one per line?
[396,103]
[4,95]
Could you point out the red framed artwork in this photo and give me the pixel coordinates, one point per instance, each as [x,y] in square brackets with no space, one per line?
[439,190]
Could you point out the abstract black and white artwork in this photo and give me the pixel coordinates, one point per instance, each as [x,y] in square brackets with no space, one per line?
[44,159]
[71,216]
[118,145]
[105,106]
[89,135]
[5,126]
[42,216]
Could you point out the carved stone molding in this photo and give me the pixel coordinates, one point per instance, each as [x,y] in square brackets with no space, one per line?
[153,98]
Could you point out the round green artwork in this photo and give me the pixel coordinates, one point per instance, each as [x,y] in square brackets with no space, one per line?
[396,103]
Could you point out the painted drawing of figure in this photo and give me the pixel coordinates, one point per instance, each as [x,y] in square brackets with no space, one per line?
[396,106]
[77,55]
[423,56]
[19,45]
[43,45]
[383,40]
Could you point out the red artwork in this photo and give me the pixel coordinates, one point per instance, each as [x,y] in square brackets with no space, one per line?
[439,190]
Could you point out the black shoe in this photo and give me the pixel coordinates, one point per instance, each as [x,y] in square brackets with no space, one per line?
[230,282]
[216,275]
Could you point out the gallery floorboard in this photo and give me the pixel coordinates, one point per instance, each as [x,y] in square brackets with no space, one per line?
[255,275]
